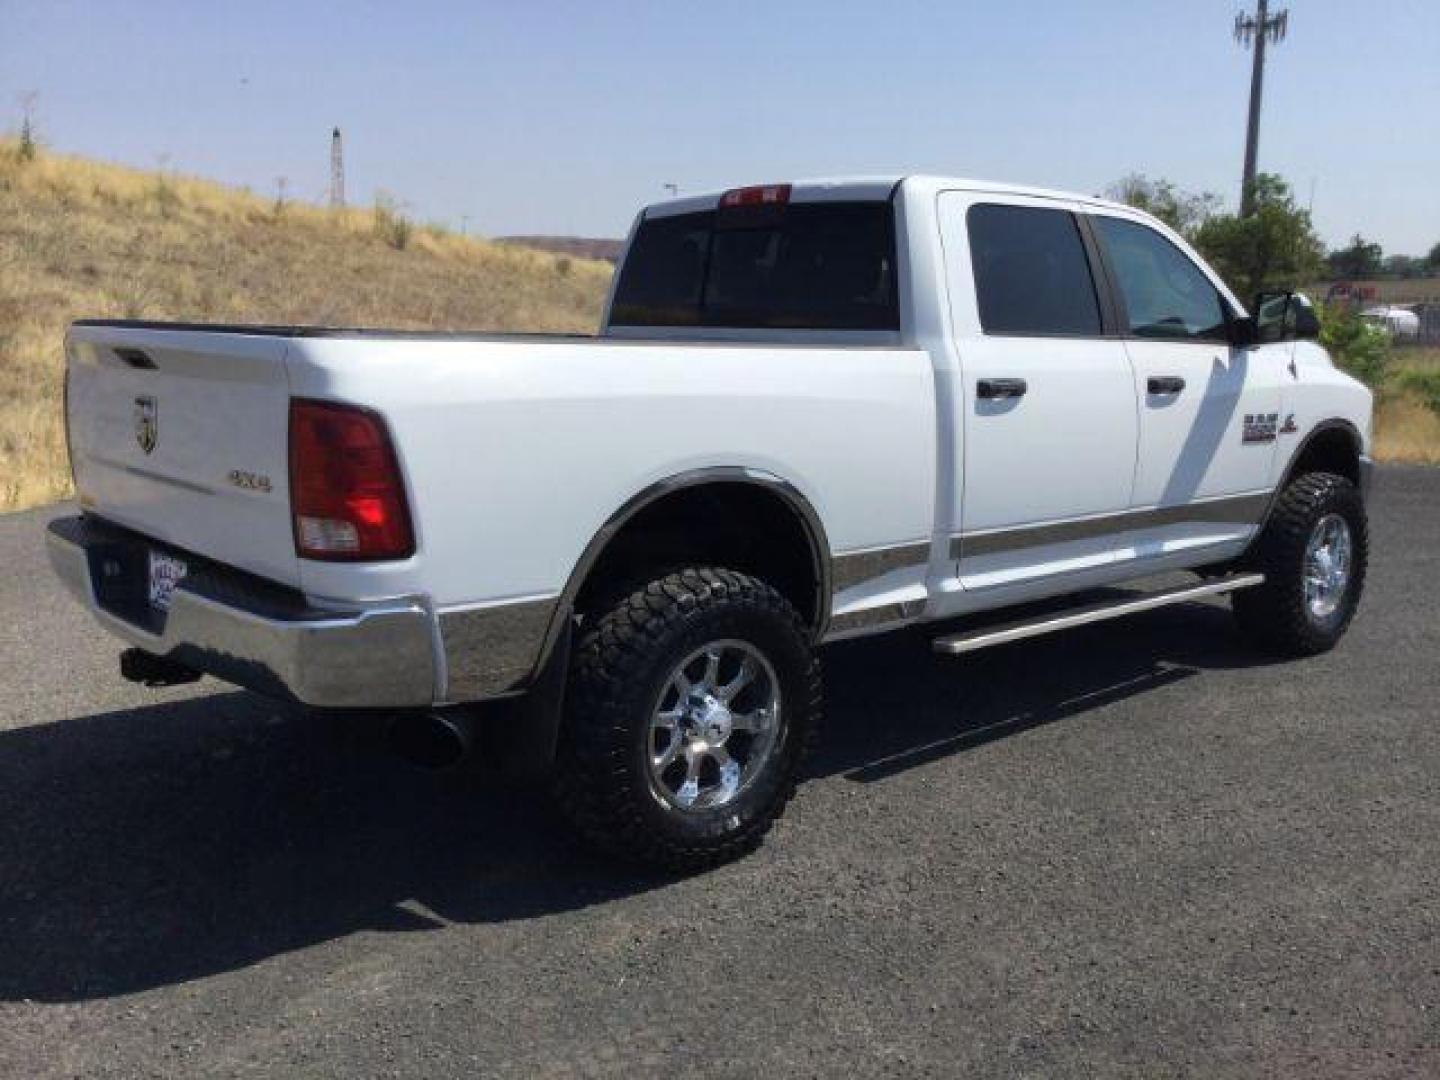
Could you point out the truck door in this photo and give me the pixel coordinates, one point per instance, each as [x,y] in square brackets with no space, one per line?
[1209,411]
[1047,424]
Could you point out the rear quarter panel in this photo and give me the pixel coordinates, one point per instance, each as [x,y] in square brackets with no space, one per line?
[516,454]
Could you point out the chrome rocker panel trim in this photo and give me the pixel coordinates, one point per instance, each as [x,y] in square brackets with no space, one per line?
[873,620]
[1245,509]
[379,655]
[858,567]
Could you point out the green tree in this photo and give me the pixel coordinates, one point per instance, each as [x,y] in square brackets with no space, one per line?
[1274,248]
[1358,259]
[1432,261]
[1404,266]
[1183,211]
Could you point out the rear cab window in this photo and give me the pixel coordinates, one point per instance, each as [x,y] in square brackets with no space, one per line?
[791,266]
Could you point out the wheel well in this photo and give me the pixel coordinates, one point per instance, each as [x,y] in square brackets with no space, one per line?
[1334,449]
[737,525]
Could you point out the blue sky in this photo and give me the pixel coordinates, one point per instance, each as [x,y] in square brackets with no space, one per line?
[564,117]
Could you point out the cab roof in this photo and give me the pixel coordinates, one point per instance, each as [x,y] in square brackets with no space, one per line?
[881,186]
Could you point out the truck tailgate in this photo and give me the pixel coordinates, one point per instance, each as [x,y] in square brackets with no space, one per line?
[182,435]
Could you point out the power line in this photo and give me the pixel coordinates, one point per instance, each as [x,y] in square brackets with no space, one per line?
[1258,28]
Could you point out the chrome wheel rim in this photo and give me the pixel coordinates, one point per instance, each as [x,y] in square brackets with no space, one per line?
[714,726]
[1327,565]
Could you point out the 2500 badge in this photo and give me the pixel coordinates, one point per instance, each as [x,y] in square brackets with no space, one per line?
[1260,427]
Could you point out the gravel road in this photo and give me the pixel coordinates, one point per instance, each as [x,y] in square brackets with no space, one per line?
[1138,850]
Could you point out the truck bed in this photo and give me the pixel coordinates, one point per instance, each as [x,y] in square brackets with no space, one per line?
[515,448]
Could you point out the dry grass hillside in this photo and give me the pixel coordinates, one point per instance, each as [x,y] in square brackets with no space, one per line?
[83,239]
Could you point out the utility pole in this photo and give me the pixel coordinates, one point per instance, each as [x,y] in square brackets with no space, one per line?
[337,171]
[1257,28]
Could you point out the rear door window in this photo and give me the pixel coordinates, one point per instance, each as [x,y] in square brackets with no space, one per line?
[802,266]
[1032,276]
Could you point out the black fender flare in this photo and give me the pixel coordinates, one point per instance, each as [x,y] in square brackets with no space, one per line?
[529,740]
[788,493]
[1322,428]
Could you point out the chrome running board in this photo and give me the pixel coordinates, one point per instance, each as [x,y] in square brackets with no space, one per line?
[971,640]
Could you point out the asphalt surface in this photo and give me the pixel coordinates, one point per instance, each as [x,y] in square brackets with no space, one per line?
[1137,850]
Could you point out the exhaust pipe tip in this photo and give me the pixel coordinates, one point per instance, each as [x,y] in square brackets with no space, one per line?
[432,740]
[147,669]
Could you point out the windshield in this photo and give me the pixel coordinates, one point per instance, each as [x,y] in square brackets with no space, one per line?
[821,266]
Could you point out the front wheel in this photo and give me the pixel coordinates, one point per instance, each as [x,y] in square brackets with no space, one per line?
[1313,552]
[690,705]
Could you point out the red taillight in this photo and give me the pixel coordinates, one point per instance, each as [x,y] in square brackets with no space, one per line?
[764,195]
[346,496]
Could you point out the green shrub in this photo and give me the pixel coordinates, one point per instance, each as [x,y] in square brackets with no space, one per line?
[391,224]
[162,194]
[27,149]
[29,144]
[1356,345]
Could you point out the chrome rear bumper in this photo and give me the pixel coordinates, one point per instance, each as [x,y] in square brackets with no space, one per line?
[380,655]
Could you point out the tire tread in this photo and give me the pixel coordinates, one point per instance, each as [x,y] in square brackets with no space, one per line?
[594,787]
[1273,614]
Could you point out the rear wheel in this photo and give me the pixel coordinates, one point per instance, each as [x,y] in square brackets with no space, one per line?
[690,705]
[1313,552]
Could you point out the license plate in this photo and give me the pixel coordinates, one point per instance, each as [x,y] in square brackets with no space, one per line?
[166,571]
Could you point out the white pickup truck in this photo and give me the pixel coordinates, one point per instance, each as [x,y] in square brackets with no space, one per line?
[816,410]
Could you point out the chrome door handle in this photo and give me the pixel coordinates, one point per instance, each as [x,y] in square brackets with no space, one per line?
[1165,384]
[1000,388]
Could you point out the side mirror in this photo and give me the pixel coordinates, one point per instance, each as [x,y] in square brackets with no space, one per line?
[1270,312]
[1304,319]
[1284,316]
